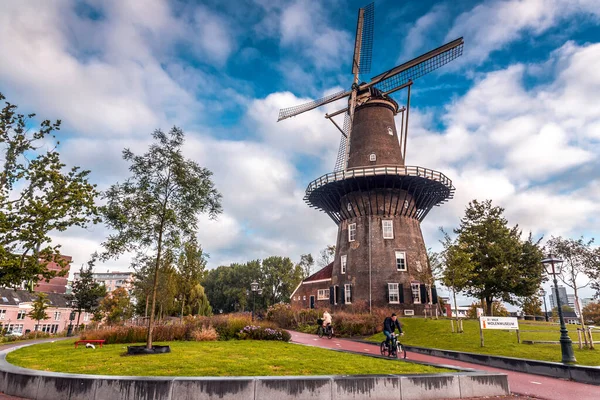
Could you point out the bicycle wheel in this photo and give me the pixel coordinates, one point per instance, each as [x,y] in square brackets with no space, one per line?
[320,331]
[383,348]
[330,333]
[401,350]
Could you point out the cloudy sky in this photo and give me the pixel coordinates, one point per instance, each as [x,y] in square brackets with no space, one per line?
[516,119]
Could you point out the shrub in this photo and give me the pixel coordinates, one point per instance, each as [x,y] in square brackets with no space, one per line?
[285,317]
[205,334]
[254,332]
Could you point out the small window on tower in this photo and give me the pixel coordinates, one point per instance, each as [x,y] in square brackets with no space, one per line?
[390,131]
[388,229]
[343,263]
[352,232]
[372,157]
[349,207]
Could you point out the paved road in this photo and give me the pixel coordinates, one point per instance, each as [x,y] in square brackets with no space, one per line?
[523,384]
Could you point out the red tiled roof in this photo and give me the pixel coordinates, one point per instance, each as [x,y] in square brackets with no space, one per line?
[323,273]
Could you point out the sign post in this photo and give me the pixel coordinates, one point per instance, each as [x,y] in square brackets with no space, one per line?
[509,323]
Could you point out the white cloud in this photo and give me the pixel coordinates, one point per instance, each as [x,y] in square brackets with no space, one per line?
[494,24]
[521,147]
[418,33]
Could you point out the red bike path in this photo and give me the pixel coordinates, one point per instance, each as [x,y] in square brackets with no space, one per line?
[520,383]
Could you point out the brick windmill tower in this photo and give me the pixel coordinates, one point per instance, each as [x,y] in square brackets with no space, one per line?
[377,201]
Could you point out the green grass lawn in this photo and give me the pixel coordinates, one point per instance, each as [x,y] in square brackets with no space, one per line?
[438,334]
[232,358]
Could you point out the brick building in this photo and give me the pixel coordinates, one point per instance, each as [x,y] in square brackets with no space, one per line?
[57,284]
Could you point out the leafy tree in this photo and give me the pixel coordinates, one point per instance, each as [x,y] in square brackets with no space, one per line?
[37,197]
[279,278]
[227,286]
[306,263]
[591,312]
[158,206]
[326,256]
[166,289]
[504,267]
[86,293]
[532,305]
[457,268]
[497,308]
[116,307]
[190,271]
[198,302]
[38,311]
[578,257]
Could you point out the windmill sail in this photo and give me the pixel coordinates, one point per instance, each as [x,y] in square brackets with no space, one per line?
[364,40]
[340,162]
[397,77]
[293,111]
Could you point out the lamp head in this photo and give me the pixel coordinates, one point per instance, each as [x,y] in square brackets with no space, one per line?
[254,286]
[552,264]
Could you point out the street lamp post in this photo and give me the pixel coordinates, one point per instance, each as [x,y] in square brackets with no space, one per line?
[566,346]
[543,293]
[255,289]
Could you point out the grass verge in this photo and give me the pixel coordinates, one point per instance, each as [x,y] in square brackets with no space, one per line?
[437,334]
[232,358]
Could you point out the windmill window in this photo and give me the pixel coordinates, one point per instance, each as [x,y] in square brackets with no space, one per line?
[349,207]
[390,131]
[372,157]
[393,293]
[405,203]
[343,264]
[352,232]
[347,294]
[388,229]
[401,261]
[416,293]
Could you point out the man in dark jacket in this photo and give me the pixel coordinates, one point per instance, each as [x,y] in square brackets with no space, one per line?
[389,326]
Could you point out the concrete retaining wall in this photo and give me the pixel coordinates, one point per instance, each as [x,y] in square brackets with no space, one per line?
[41,385]
[577,373]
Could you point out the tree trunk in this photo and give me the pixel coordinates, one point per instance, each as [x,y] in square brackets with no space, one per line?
[182,305]
[78,317]
[581,319]
[489,302]
[154,287]
[456,311]
[146,311]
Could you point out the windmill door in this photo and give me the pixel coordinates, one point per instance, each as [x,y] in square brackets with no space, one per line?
[312,301]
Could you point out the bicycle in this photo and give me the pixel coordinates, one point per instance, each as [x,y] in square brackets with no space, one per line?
[394,350]
[327,331]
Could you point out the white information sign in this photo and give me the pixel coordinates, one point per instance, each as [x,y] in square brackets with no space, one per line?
[498,323]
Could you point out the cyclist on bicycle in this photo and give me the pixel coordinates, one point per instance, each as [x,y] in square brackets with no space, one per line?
[326,321]
[389,326]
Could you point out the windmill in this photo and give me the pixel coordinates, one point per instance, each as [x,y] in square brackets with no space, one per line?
[376,200]
[386,83]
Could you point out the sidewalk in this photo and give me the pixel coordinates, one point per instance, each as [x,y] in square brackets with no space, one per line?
[520,383]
